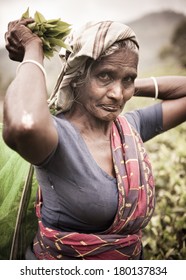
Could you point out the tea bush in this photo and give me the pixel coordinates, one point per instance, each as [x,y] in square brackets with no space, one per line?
[165,236]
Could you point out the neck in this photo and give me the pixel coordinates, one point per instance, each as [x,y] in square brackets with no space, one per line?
[89,126]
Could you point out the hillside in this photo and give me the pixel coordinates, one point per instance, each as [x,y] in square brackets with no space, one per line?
[153,31]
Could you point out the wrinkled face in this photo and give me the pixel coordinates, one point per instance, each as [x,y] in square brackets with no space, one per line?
[110,86]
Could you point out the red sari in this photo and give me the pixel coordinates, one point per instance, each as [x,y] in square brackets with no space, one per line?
[122,240]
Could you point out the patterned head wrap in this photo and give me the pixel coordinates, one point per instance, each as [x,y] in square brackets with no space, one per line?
[90,41]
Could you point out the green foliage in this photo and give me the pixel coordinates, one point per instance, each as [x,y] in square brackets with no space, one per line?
[176,48]
[165,236]
[52,32]
[13,173]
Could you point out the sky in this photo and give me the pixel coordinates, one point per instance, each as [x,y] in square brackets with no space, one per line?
[77,12]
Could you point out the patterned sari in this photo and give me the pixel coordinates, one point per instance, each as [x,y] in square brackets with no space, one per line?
[122,240]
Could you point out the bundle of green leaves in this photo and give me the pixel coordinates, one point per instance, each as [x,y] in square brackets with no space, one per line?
[52,32]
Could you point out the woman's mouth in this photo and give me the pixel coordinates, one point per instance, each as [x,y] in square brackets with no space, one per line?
[110,108]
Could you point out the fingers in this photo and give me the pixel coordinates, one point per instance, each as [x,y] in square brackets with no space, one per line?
[12,24]
[24,21]
[15,51]
[17,37]
[16,55]
[16,29]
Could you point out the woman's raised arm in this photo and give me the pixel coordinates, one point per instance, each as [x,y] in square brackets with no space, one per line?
[172,90]
[28,126]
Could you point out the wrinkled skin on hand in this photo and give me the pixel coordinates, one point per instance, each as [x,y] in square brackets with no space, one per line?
[18,37]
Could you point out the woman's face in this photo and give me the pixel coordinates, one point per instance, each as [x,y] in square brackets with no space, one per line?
[110,86]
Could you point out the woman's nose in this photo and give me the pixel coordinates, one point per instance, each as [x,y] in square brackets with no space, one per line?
[116,92]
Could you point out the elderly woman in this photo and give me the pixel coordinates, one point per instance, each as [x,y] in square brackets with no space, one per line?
[96,188]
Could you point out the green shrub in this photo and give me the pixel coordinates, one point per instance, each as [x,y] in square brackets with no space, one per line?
[165,236]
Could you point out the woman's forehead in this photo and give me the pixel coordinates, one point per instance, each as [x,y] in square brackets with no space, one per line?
[120,57]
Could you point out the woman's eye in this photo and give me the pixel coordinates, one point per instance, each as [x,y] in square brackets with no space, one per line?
[128,79]
[104,76]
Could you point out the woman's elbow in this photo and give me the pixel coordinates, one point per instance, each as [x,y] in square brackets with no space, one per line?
[15,133]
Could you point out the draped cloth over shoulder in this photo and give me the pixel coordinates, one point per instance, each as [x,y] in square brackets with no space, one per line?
[90,41]
[122,240]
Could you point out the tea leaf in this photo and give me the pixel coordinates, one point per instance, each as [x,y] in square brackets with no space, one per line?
[26,14]
[52,32]
[38,17]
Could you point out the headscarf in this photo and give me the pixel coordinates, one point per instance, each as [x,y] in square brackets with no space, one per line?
[90,41]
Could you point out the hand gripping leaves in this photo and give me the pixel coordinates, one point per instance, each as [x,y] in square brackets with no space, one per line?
[52,32]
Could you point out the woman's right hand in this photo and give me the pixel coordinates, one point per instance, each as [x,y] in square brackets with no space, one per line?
[18,37]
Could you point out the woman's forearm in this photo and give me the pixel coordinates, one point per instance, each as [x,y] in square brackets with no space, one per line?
[28,126]
[169,87]
[27,93]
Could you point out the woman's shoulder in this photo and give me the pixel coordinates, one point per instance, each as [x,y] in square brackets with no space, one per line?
[64,126]
[147,121]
